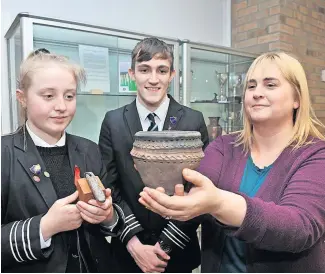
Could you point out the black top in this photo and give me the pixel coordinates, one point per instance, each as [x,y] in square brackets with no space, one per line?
[57,163]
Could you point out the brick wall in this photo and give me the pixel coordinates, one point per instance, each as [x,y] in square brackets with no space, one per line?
[296,26]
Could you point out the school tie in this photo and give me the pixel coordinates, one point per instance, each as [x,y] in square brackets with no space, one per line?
[153,126]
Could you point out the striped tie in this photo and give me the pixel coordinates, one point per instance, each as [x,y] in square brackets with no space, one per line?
[153,126]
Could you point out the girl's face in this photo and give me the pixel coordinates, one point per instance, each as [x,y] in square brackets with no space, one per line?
[50,101]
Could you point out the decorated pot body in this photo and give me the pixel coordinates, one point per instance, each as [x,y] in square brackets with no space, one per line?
[160,156]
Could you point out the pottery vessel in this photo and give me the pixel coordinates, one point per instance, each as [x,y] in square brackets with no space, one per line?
[160,156]
[214,128]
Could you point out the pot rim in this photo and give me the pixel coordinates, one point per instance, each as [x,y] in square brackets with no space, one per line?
[167,135]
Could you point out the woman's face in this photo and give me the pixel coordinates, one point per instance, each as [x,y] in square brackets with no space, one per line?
[269,97]
[50,101]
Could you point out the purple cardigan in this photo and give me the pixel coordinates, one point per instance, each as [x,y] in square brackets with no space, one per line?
[284,226]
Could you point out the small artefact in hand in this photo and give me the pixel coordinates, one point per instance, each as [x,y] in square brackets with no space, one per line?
[95,187]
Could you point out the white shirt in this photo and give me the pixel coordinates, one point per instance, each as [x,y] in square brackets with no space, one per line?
[41,143]
[161,113]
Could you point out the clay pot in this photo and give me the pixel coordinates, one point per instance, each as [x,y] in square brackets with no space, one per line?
[214,129]
[160,156]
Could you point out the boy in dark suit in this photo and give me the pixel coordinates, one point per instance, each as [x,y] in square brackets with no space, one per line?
[149,243]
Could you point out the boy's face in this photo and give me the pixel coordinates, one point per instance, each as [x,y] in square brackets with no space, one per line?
[152,79]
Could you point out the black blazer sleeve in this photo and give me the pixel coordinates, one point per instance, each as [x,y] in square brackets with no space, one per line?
[204,132]
[20,240]
[132,226]
[176,233]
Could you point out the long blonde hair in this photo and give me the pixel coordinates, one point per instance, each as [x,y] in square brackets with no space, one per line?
[305,120]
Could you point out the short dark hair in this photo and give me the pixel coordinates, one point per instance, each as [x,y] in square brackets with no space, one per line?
[149,48]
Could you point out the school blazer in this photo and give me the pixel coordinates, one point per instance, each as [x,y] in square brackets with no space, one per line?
[25,201]
[115,142]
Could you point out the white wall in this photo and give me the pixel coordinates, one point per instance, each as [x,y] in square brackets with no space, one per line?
[206,21]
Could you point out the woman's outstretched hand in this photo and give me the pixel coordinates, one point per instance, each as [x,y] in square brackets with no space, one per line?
[203,198]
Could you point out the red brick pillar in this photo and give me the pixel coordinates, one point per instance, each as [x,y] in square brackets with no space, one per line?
[295,26]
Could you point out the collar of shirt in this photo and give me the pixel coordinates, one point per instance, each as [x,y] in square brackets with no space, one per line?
[41,143]
[161,112]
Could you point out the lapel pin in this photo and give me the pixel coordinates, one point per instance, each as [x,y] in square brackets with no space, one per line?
[46,174]
[172,122]
[36,169]
[36,178]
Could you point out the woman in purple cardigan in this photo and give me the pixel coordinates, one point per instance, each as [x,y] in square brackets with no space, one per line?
[264,187]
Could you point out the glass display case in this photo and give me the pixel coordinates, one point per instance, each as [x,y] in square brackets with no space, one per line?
[212,82]
[208,78]
[104,53]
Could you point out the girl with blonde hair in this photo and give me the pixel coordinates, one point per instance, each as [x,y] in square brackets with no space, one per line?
[44,228]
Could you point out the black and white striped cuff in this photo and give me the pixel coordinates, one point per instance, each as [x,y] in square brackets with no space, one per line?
[175,236]
[115,229]
[20,241]
[132,227]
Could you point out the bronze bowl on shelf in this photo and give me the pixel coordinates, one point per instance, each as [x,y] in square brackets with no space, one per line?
[160,156]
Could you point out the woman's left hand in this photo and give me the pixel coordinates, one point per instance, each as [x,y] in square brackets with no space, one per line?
[203,198]
[95,212]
